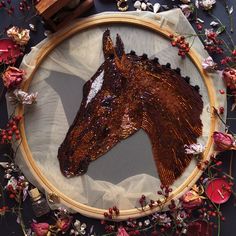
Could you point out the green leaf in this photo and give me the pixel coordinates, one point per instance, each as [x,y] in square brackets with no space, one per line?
[221,29]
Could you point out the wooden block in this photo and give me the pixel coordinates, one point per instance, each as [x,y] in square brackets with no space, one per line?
[82,8]
[48,8]
[55,14]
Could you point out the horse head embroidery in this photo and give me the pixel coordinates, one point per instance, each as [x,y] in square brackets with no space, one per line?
[128,93]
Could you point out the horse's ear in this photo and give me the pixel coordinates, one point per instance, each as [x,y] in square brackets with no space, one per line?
[120,51]
[108,48]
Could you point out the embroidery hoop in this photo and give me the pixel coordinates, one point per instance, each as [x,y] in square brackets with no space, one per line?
[47,48]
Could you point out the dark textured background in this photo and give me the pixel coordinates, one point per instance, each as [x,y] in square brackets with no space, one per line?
[8,224]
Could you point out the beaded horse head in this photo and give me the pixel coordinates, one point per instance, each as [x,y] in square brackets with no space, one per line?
[128,93]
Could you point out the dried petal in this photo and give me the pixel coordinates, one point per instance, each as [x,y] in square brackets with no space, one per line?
[208,64]
[19,35]
[12,77]
[214,23]
[19,96]
[122,232]
[40,229]
[186,9]
[207,4]
[194,149]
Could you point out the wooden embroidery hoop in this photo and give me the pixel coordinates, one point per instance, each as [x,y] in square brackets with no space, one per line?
[55,40]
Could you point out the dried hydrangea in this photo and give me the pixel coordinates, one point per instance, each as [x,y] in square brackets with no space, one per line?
[19,96]
[205,4]
[18,35]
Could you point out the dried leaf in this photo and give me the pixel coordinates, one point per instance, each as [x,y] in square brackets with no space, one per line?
[214,23]
[200,20]
[231,9]
[221,29]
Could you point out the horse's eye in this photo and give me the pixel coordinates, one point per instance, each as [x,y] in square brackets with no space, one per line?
[107,101]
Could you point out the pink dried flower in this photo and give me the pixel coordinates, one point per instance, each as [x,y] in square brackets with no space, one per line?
[40,229]
[186,9]
[191,200]
[208,64]
[122,232]
[63,224]
[12,77]
[223,141]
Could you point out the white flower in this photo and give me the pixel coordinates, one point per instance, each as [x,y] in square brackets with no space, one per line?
[208,64]
[19,96]
[194,149]
[186,9]
[207,4]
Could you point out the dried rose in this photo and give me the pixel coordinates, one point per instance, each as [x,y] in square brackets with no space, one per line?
[207,4]
[208,64]
[12,77]
[229,77]
[191,200]
[40,229]
[19,96]
[19,35]
[223,141]
[122,232]
[63,224]
[199,228]
[186,9]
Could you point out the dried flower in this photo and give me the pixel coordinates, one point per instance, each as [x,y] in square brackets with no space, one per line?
[214,23]
[122,232]
[12,77]
[206,4]
[229,77]
[63,224]
[194,149]
[208,64]
[78,228]
[19,35]
[19,96]
[186,9]
[223,141]
[40,229]
[192,199]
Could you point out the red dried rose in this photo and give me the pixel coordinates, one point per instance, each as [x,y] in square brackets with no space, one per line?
[40,229]
[223,141]
[12,77]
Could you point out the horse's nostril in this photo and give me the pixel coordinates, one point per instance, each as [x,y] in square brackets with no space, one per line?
[83,166]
